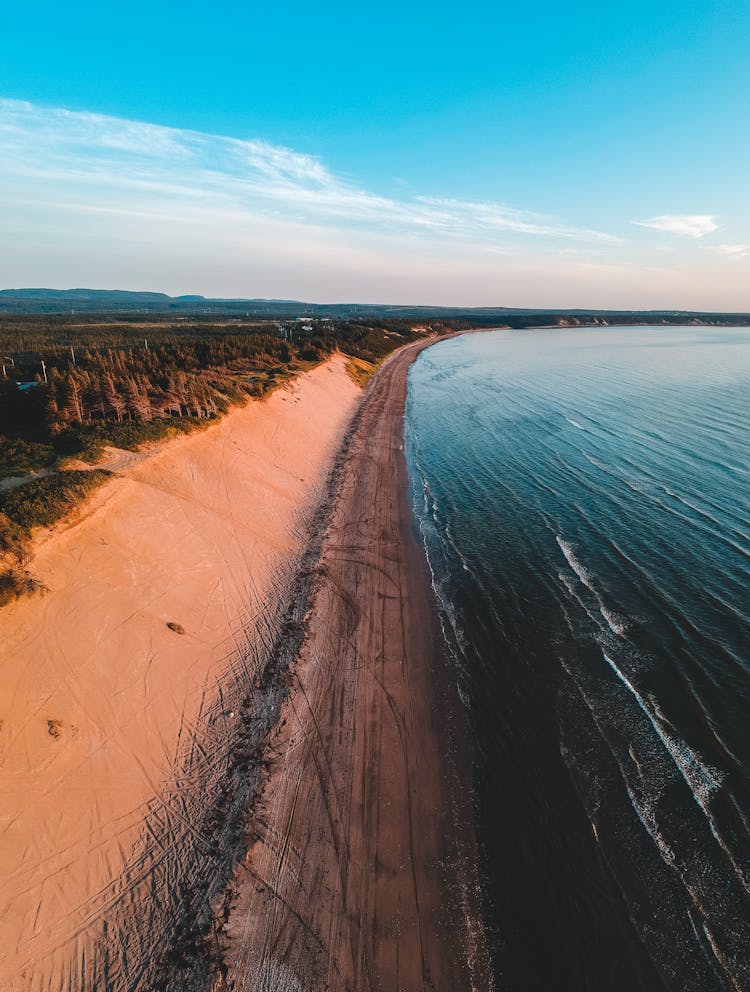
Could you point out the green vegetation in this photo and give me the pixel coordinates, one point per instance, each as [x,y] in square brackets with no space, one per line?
[18,456]
[361,371]
[71,399]
[73,384]
[40,503]
[14,583]
[43,502]
[88,443]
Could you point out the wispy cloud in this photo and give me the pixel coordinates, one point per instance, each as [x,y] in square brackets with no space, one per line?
[104,162]
[497,217]
[733,251]
[684,225]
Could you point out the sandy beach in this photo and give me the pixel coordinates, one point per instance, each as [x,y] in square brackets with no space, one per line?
[118,732]
[361,871]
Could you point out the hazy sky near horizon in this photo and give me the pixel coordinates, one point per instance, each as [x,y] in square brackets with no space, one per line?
[590,155]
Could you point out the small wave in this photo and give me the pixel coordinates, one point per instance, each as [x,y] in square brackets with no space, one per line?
[702,780]
[727,966]
[574,563]
[567,583]
[616,623]
[647,815]
[457,550]
[574,423]
[636,486]
[425,495]
[705,515]
[433,547]
[597,464]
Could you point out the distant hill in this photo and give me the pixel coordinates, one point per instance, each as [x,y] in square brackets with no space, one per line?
[104,296]
[123,302]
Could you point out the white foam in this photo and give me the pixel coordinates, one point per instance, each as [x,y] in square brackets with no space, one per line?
[574,423]
[446,613]
[575,564]
[597,464]
[702,780]
[646,815]
[616,623]
[567,583]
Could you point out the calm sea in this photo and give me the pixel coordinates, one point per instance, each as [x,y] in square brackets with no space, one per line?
[584,499]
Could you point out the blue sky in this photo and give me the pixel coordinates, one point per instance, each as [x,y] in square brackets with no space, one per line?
[542,154]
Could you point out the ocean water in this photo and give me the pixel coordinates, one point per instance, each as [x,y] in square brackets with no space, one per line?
[584,500]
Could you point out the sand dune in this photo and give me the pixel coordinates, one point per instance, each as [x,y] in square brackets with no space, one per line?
[115,728]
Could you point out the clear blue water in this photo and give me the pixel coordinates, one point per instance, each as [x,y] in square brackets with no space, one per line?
[584,498]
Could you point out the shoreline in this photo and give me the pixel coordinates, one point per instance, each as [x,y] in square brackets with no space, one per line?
[361,869]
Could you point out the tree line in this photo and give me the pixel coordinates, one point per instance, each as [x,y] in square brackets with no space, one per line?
[65,380]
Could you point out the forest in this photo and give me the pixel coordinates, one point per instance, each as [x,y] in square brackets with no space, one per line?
[70,385]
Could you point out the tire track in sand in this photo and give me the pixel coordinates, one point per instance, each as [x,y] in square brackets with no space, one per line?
[369,800]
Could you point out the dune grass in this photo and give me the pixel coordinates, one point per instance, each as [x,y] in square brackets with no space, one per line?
[43,502]
[40,503]
[360,370]
[19,456]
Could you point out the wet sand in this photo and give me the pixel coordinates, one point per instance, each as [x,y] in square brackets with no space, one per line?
[360,873]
